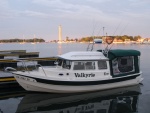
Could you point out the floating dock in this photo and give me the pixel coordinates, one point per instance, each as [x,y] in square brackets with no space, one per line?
[11,58]
[7,81]
[14,54]
[7,57]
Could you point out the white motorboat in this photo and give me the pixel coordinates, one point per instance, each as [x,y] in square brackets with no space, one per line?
[84,71]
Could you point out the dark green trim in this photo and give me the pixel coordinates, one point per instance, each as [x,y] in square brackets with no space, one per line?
[122,53]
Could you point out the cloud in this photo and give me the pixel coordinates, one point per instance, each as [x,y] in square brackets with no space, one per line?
[34,14]
[71,9]
[74,15]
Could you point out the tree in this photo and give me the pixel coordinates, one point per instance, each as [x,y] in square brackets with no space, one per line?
[67,38]
[137,38]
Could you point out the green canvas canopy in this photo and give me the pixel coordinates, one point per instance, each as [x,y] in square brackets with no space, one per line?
[122,53]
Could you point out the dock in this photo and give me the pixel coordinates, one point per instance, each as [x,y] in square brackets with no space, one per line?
[8,82]
[11,58]
[14,54]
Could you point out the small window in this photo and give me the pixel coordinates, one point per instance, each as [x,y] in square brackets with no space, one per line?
[89,65]
[66,64]
[84,65]
[123,65]
[102,64]
[78,66]
[58,62]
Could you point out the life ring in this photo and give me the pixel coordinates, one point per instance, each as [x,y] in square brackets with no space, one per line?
[109,40]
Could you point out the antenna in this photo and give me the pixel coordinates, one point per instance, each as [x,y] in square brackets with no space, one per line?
[94,26]
[103,30]
[121,31]
[124,28]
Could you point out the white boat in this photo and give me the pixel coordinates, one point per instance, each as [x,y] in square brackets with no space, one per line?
[98,41]
[84,71]
[123,99]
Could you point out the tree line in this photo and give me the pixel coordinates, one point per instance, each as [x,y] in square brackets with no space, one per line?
[117,38]
[83,39]
[91,38]
[22,40]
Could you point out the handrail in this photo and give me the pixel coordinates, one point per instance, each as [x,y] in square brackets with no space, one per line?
[24,65]
[90,48]
[42,69]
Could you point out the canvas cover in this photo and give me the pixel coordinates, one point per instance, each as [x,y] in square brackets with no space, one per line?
[122,53]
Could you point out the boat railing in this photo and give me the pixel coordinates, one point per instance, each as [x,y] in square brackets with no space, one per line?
[39,65]
[90,46]
[27,67]
[24,65]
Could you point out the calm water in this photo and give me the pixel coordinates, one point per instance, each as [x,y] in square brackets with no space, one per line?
[124,100]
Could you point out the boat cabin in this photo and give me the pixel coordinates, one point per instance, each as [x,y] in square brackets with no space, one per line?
[115,63]
[83,61]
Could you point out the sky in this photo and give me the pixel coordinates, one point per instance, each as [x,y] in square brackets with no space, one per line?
[78,18]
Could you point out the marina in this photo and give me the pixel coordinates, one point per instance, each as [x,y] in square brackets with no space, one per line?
[73,56]
[46,50]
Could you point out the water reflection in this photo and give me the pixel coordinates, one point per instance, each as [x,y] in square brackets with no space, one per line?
[121,100]
[10,98]
[59,48]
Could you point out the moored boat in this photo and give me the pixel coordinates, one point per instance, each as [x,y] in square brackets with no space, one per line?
[84,71]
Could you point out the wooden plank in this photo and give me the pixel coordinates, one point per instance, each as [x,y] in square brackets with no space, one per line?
[13,51]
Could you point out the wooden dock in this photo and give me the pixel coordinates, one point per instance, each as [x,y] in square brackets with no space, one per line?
[11,58]
[7,57]
[11,54]
[7,81]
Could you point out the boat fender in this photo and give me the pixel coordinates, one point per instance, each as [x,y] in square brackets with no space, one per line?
[61,74]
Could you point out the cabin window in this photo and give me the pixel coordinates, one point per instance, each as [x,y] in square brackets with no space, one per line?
[102,64]
[89,65]
[66,64]
[123,65]
[84,65]
[58,62]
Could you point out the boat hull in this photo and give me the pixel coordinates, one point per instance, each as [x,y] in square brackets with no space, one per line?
[40,85]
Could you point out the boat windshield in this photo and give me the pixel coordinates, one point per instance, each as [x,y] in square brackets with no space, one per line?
[58,62]
[66,64]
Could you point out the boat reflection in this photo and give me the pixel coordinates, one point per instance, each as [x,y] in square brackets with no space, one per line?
[120,100]
[12,92]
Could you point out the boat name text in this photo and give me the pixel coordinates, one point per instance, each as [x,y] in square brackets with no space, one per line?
[84,75]
[105,73]
[26,78]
